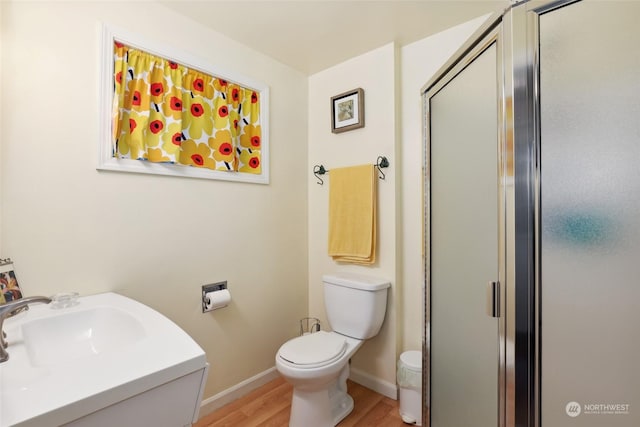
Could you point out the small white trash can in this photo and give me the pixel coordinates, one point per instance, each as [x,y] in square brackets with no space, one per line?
[410,384]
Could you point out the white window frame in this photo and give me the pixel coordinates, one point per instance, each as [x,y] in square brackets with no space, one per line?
[107,162]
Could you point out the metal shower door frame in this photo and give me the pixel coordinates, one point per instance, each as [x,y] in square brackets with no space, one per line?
[517,30]
[487,35]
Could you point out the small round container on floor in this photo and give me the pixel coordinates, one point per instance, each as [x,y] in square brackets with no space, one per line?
[410,384]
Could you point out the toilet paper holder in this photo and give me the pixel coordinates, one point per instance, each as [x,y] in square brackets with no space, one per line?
[207,296]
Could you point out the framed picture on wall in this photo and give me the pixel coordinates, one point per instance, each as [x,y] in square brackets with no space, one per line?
[9,288]
[347,111]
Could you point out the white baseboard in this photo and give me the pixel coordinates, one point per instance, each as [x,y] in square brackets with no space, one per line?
[383,387]
[217,401]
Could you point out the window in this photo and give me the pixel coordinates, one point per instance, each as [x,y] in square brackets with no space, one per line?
[166,113]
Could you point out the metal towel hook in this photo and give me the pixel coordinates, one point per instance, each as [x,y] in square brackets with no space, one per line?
[317,171]
[382,162]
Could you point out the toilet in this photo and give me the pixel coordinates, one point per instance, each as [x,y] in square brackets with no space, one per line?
[317,364]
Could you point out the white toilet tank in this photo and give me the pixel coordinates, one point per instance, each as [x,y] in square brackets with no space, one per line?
[355,304]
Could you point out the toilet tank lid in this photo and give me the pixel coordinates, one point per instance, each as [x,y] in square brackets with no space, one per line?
[356,281]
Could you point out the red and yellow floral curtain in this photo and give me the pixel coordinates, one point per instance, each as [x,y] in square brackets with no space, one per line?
[166,112]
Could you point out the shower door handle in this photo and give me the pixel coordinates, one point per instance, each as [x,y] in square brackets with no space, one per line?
[493,299]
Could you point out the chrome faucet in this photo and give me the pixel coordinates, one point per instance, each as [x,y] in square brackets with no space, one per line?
[7,310]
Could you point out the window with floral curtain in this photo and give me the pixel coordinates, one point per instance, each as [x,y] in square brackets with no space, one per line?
[166,112]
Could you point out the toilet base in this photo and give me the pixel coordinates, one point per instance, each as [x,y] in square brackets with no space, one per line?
[342,405]
[319,408]
[322,408]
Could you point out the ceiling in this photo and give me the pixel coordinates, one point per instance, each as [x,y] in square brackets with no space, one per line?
[312,35]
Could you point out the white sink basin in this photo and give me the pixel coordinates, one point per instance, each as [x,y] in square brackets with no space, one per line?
[71,363]
[79,334]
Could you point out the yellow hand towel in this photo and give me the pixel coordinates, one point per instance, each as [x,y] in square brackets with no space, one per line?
[352,214]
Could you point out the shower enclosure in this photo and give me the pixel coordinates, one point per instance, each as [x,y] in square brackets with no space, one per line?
[532,221]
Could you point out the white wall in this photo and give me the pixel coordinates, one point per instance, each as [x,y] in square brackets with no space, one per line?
[420,61]
[156,239]
[375,72]
[69,227]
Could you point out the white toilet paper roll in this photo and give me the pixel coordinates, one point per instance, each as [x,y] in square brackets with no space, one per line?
[217,299]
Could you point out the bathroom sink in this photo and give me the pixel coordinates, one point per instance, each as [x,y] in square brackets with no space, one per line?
[75,335]
[107,360]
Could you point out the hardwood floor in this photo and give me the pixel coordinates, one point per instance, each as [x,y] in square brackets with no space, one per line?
[269,406]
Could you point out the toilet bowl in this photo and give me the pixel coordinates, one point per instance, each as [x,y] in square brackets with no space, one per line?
[317,364]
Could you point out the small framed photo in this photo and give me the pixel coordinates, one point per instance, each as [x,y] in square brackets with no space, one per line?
[9,288]
[347,111]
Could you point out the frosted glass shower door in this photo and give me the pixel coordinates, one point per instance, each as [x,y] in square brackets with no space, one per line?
[463,246]
[590,215]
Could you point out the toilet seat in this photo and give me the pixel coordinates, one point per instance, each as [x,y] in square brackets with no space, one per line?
[313,350]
